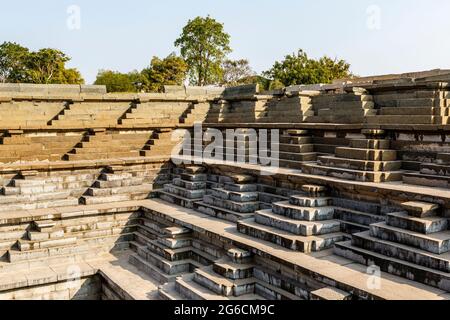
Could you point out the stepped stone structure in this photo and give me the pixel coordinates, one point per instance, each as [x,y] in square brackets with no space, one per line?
[344,194]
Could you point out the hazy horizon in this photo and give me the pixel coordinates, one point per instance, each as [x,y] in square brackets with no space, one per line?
[375,37]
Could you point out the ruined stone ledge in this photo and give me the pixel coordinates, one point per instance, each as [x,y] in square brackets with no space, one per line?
[74,165]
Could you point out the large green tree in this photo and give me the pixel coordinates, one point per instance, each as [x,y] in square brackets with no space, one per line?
[298,69]
[204,45]
[171,70]
[45,66]
[12,62]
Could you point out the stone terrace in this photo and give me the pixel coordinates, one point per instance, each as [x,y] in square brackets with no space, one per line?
[94,203]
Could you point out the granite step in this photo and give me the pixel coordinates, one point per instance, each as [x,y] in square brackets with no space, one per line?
[361,165]
[189,185]
[234,196]
[427,180]
[241,207]
[288,240]
[288,210]
[427,225]
[207,278]
[356,175]
[220,213]
[226,268]
[177,200]
[306,201]
[148,268]
[330,294]
[402,252]
[414,272]
[185,193]
[297,227]
[435,243]
[366,154]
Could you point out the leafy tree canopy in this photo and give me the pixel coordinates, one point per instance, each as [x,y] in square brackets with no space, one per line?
[119,82]
[46,66]
[204,45]
[169,71]
[298,69]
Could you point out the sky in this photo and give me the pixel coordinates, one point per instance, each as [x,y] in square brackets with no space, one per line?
[375,37]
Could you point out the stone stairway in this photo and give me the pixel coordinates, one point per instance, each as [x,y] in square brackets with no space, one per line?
[161,143]
[427,105]
[229,278]
[99,144]
[28,190]
[435,174]
[304,223]
[65,241]
[166,252]
[414,244]
[230,198]
[118,183]
[196,113]
[367,160]
[186,188]
[351,106]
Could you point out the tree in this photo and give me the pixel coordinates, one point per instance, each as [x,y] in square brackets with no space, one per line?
[204,45]
[169,71]
[12,62]
[116,81]
[237,72]
[298,69]
[48,66]
[19,64]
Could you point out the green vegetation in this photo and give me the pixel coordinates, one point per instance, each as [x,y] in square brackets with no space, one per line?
[298,69]
[46,66]
[204,45]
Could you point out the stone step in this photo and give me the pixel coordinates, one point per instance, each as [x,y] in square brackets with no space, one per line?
[427,180]
[169,267]
[436,243]
[366,154]
[134,181]
[220,213]
[286,139]
[177,200]
[305,201]
[288,240]
[402,252]
[44,225]
[394,266]
[296,227]
[435,169]
[98,192]
[32,205]
[168,292]
[358,217]
[361,165]
[233,270]
[207,278]
[235,196]
[191,290]
[356,175]
[238,256]
[296,148]
[330,294]
[81,245]
[189,185]
[176,243]
[241,207]
[233,187]
[288,210]
[420,209]
[185,193]
[370,144]
[200,177]
[90,200]
[427,225]
[152,270]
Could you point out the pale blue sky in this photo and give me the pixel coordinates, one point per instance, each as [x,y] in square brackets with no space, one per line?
[124,35]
